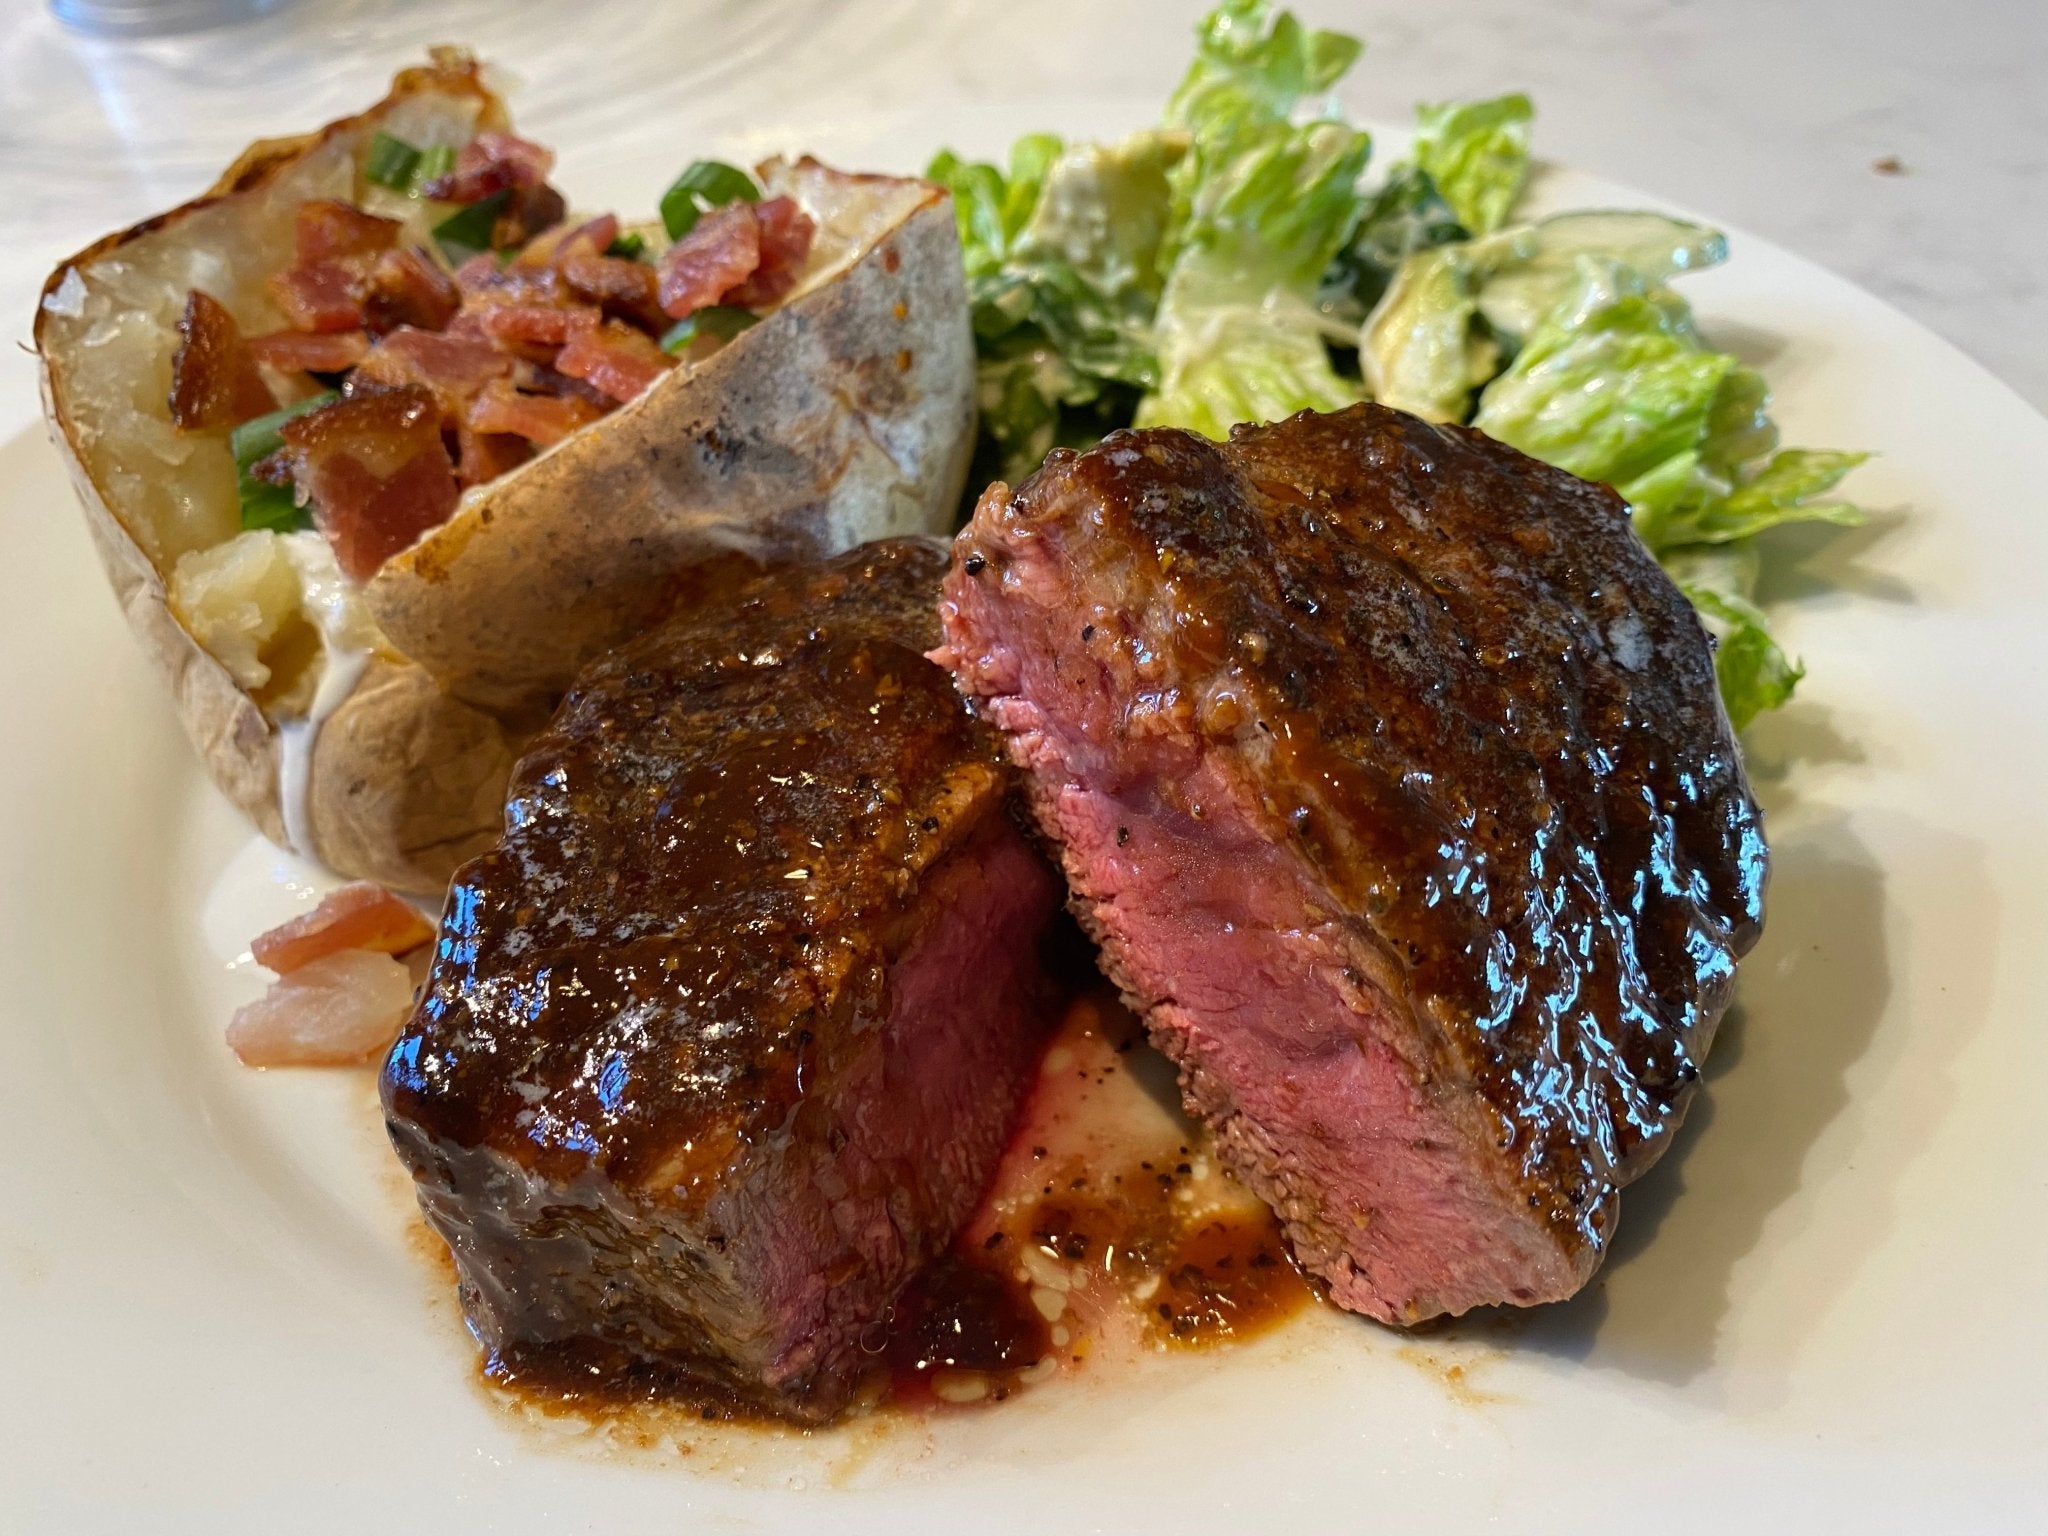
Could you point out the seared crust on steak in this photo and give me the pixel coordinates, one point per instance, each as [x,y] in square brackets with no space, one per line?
[1453,741]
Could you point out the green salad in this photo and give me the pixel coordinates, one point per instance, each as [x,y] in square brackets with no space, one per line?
[1238,263]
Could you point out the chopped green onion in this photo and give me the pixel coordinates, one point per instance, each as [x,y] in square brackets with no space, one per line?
[436,161]
[392,163]
[628,247]
[723,321]
[705,185]
[265,505]
[467,231]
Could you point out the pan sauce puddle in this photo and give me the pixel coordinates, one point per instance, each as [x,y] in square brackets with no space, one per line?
[1110,1230]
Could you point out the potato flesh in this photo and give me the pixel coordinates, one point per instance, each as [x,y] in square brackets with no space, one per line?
[271,608]
[115,329]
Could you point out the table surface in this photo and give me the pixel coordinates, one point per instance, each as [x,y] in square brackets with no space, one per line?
[1901,143]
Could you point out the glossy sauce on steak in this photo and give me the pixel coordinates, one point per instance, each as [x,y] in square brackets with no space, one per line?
[1389,771]
[724,1040]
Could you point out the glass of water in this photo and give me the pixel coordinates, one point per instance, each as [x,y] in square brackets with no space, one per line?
[156,18]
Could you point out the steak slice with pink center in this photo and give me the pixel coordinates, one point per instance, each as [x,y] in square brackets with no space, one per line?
[724,1040]
[1389,772]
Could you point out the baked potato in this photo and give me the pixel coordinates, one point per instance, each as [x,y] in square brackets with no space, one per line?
[362,701]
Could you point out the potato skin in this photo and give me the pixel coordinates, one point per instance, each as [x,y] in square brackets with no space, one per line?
[804,436]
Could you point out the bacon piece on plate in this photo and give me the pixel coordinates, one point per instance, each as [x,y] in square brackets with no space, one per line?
[786,233]
[341,1010]
[540,419]
[718,255]
[627,290]
[326,296]
[214,382]
[375,471]
[326,229]
[359,915]
[455,368]
[616,358]
[493,161]
[406,287]
[310,351]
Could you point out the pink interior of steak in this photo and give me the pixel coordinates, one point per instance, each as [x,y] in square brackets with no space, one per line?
[922,1119]
[1307,1068]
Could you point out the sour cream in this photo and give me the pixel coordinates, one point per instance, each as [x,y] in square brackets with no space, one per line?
[347,641]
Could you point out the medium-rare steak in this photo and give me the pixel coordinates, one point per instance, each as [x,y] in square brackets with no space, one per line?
[725,1038]
[1388,770]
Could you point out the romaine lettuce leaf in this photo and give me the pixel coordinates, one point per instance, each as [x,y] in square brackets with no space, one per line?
[1086,266]
[991,206]
[1223,267]
[1477,152]
[1253,66]
[1406,215]
[1519,293]
[1613,384]
[1425,347]
[1031,400]
[1262,205]
[1062,274]
[1753,672]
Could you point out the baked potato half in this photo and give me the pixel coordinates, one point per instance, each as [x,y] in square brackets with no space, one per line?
[368,719]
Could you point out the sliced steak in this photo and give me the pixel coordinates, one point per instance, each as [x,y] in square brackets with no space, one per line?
[1389,772]
[724,1040]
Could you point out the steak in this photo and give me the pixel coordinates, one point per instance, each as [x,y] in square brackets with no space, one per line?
[725,1038]
[1389,772]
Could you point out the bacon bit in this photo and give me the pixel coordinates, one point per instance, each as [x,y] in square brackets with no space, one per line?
[626,289]
[214,382]
[455,368]
[326,229]
[531,211]
[483,456]
[719,254]
[786,233]
[539,379]
[375,471]
[491,162]
[592,237]
[341,1010]
[541,419]
[407,288]
[327,296]
[616,358]
[359,915]
[522,326]
[482,273]
[309,351]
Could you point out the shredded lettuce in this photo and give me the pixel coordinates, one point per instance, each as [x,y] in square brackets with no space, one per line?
[1477,152]
[1233,264]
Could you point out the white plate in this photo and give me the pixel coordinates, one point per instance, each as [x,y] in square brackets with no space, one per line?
[1825,1310]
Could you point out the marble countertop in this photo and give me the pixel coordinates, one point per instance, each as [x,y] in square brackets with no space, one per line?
[1901,143]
